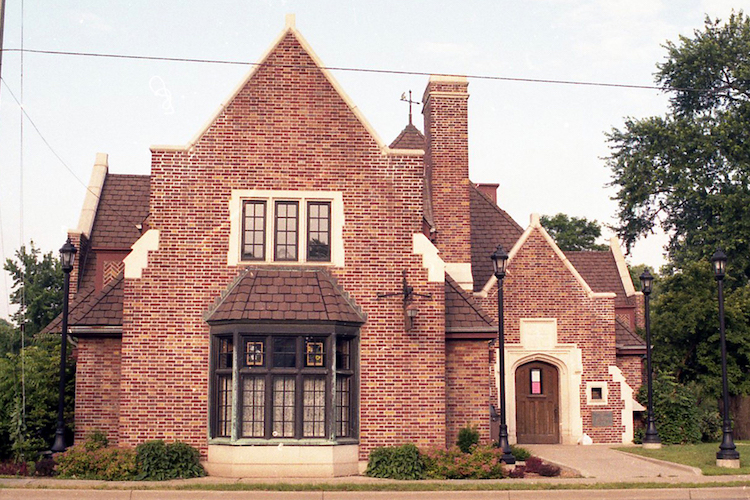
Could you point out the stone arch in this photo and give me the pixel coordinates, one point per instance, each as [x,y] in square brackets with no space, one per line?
[568,361]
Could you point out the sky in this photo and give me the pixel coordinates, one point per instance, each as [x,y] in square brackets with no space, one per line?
[545,144]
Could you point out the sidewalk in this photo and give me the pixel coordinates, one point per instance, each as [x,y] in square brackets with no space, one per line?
[597,464]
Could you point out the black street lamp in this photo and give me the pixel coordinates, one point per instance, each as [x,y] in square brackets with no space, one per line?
[727,456]
[651,439]
[67,257]
[499,260]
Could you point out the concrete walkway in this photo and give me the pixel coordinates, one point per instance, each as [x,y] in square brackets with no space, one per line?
[607,465]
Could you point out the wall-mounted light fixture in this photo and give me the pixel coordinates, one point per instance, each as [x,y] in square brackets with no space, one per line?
[411,311]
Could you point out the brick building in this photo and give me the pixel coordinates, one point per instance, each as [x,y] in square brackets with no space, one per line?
[287,290]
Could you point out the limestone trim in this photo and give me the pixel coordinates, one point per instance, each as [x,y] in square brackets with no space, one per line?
[622,267]
[337,225]
[283,461]
[535,225]
[93,195]
[568,360]
[461,273]
[589,393]
[626,393]
[430,258]
[288,28]
[137,260]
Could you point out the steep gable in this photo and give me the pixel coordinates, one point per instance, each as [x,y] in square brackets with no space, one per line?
[290,60]
[490,226]
[599,269]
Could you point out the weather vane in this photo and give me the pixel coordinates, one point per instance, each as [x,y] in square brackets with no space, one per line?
[403,98]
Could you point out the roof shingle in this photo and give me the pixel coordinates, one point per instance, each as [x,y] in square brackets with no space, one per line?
[599,270]
[94,309]
[490,226]
[409,138]
[124,202]
[286,295]
[462,311]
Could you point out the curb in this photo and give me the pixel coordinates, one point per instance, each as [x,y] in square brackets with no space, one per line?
[664,463]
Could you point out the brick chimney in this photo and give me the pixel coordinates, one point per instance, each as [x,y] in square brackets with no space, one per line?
[447,167]
[489,190]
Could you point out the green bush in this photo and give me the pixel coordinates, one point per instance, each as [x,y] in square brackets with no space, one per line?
[676,410]
[519,453]
[95,462]
[467,437]
[484,462]
[159,461]
[396,462]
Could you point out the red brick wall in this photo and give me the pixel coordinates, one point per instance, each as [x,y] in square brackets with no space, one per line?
[447,161]
[97,404]
[287,129]
[632,368]
[467,388]
[538,285]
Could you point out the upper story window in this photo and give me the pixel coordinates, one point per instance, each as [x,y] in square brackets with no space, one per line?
[286,227]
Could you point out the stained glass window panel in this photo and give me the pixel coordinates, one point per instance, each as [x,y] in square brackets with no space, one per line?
[536,381]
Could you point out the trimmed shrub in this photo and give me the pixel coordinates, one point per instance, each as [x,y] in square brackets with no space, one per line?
[109,464]
[396,462]
[519,453]
[517,472]
[13,468]
[533,464]
[549,470]
[676,410]
[484,462]
[158,461]
[467,437]
[45,467]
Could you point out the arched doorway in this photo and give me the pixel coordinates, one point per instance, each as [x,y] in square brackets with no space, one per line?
[537,404]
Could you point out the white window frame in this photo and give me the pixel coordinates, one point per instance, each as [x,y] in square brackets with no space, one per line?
[596,402]
[335,198]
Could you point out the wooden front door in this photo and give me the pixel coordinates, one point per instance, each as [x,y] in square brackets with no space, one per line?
[537,404]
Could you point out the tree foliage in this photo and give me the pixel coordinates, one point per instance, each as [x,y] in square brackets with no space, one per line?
[688,171]
[28,418]
[573,233]
[37,287]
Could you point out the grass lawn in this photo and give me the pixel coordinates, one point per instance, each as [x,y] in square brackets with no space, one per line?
[701,455]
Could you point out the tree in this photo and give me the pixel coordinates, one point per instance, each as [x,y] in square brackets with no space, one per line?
[573,233]
[37,288]
[685,329]
[689,171]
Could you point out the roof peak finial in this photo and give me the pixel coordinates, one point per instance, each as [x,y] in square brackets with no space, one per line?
[409,100]
[289,21]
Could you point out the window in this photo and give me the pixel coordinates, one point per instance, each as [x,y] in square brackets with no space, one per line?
[286,226]
[536,381]
[596,393]
[254,230]
[298,385]
[319,231]
[285,235]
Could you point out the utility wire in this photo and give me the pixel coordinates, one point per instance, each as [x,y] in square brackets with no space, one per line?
[360,70]
[49,146]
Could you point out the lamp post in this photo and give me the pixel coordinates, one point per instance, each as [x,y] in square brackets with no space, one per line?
[727,456]
[67,256]
[499,260]
[651,439]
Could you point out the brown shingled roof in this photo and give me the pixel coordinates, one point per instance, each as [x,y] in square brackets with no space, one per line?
[286,295]
[462,313]
[490,226]
[409,138]
[123,203]
[94,309]
[625,337]
[599,270]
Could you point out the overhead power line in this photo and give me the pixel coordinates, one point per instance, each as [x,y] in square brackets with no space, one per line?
[64,164]
[359,70]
